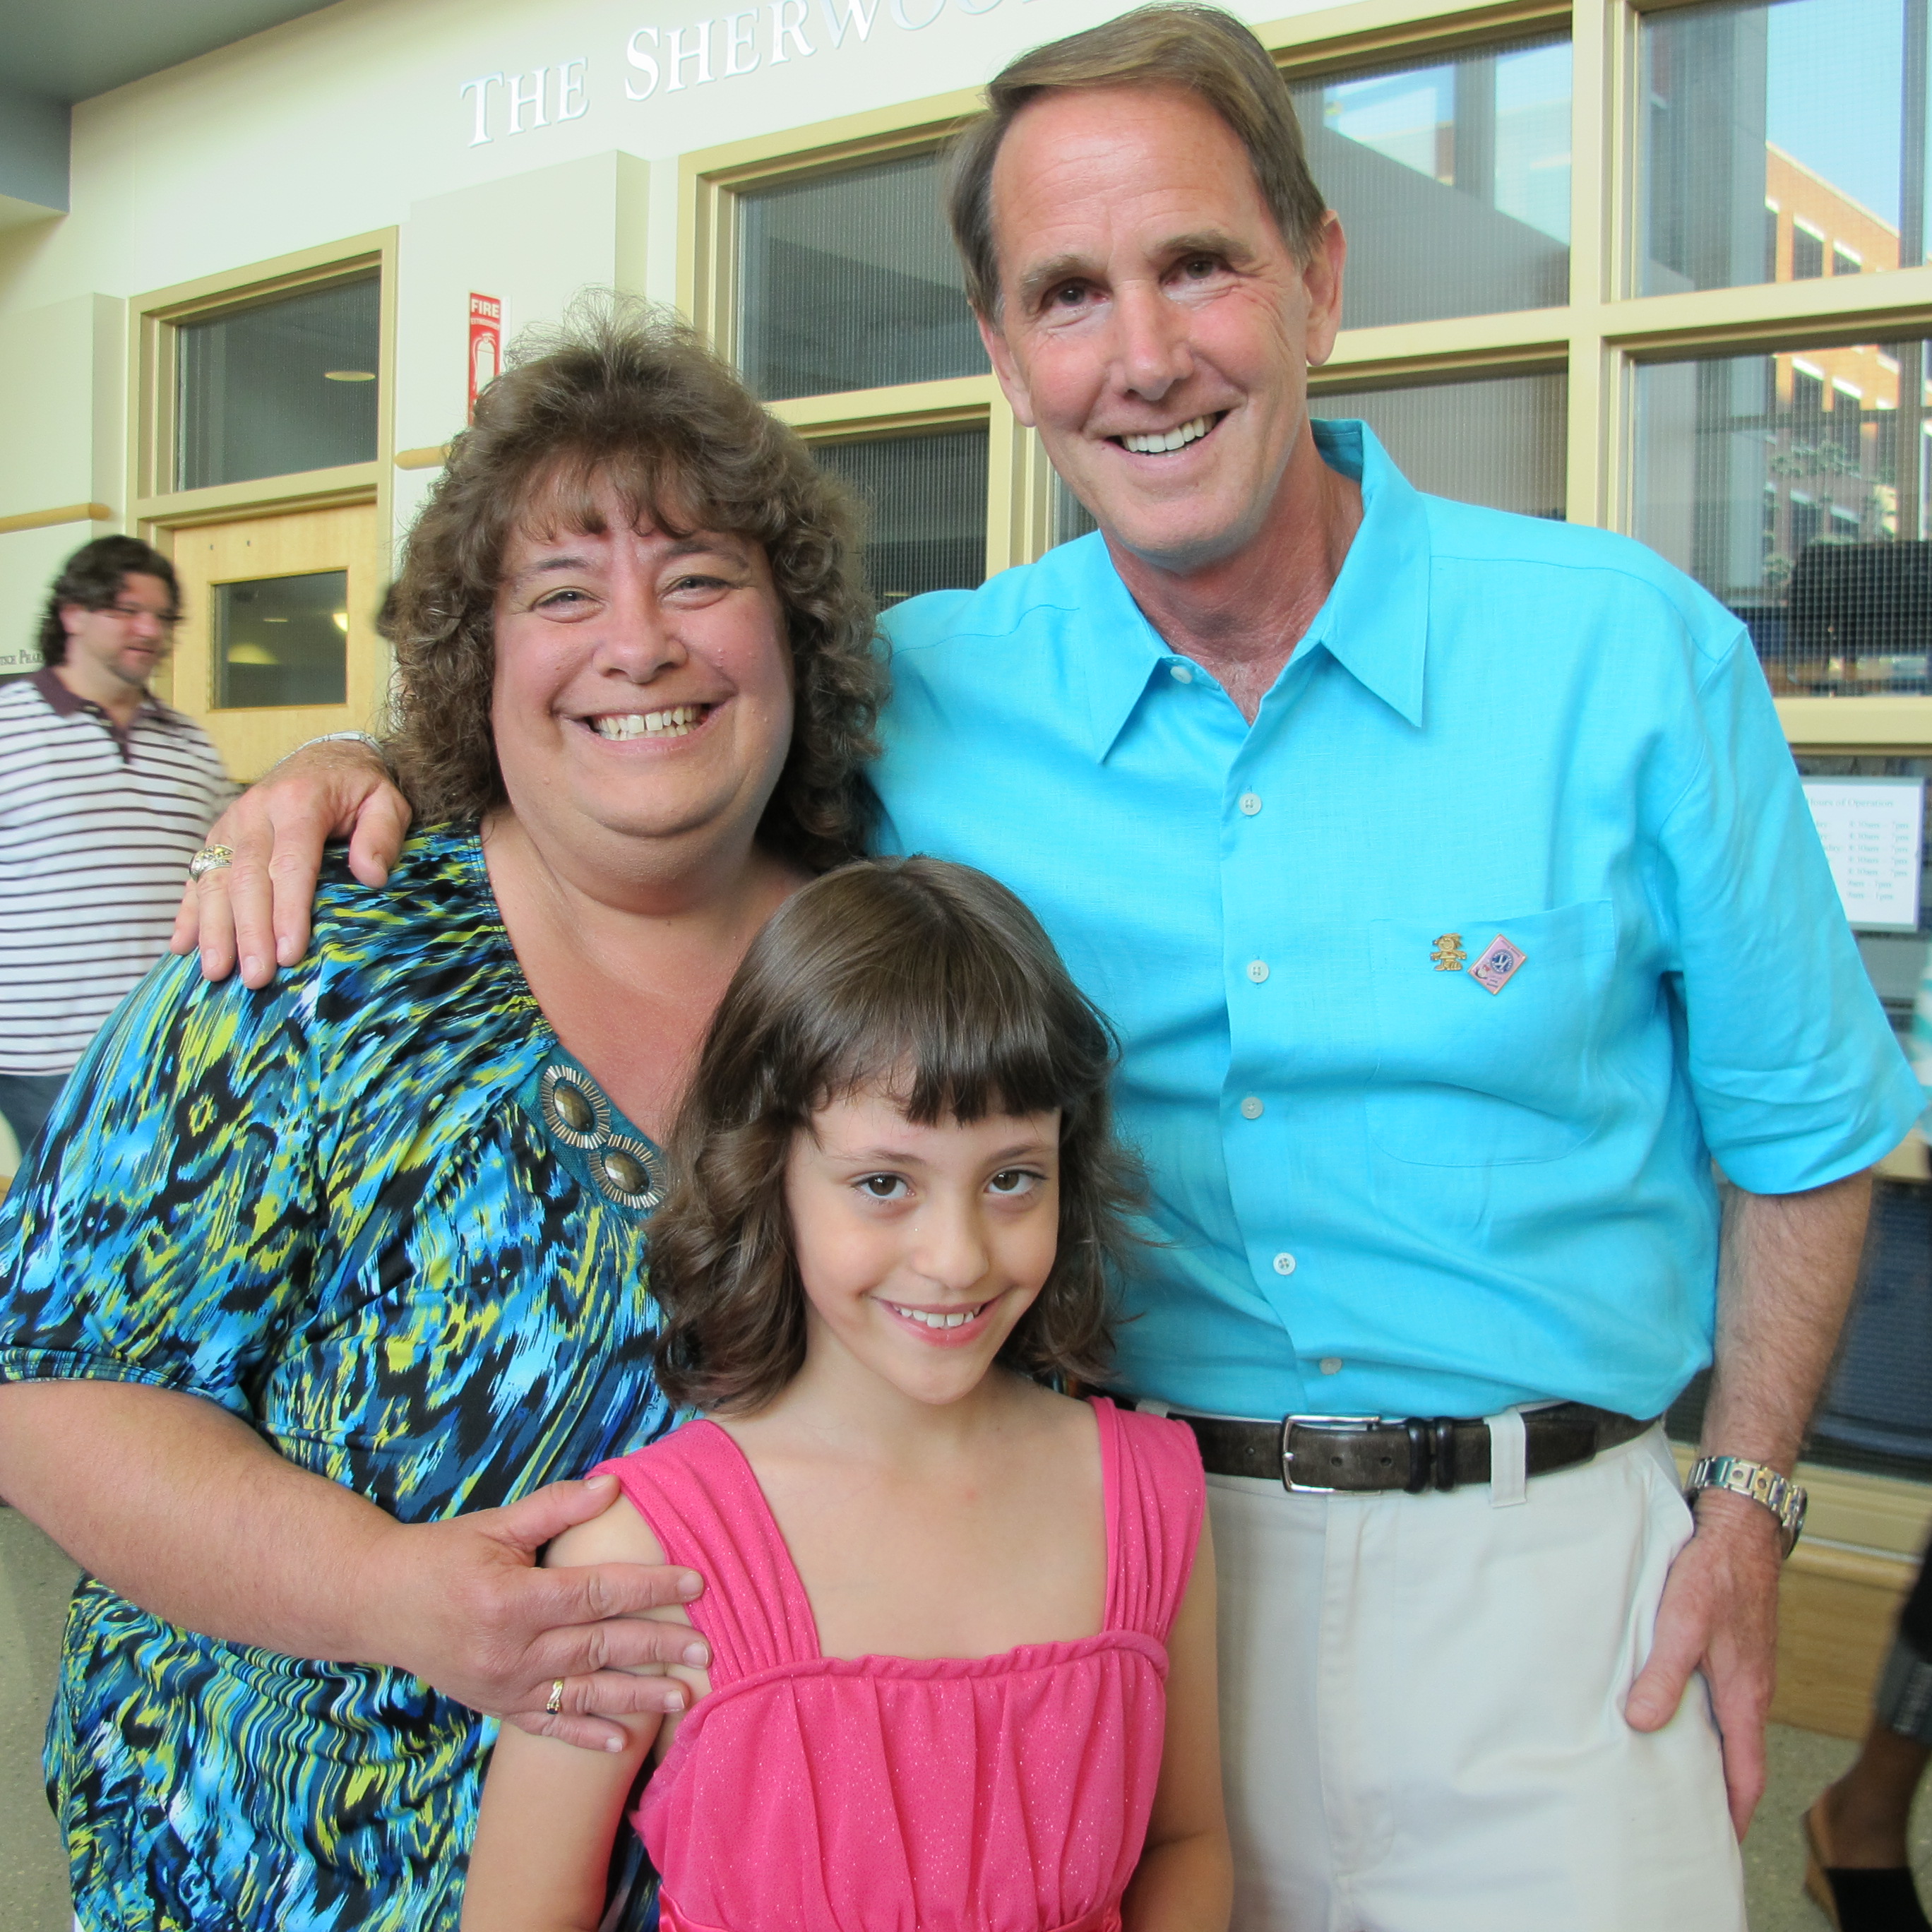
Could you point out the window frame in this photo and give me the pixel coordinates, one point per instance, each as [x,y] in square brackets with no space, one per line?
[156,510]
[1018,481]
[154,319]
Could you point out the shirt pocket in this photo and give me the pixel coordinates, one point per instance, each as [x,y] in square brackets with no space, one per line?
[1467,1077]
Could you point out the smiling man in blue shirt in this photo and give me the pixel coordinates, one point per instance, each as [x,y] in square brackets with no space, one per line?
[1451,885]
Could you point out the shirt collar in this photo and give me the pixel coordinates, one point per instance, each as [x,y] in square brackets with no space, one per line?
[1125,649]
[64,703]
[60,700]
[1374,623]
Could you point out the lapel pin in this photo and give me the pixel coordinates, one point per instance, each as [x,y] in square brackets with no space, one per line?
[1498,965]
[1449,955]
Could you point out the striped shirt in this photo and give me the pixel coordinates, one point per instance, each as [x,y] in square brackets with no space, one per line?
[97,822]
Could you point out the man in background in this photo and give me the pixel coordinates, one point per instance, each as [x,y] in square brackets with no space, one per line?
[106,793]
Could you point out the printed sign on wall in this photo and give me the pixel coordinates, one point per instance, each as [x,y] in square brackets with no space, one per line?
[486,344]
[1873,830]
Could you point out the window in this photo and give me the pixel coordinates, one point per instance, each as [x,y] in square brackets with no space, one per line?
[1452,180]
[1775,142]
[1817,104]
[280,387]
[926,497]
[259,464]
[836,285]
[1499,441]
[850,281]
[282,640]
[1070,516]
[1808,396]
[1803,520]
[1847,434]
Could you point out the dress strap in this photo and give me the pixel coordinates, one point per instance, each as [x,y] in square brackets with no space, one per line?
[696,1490]
[1156,1498]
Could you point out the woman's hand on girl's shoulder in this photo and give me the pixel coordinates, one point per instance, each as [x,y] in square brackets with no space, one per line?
[551,1812]
[621,1535]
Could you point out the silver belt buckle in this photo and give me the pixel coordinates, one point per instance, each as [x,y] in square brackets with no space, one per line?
[1290,1423]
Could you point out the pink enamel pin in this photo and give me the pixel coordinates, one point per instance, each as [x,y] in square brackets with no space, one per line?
[1497,967]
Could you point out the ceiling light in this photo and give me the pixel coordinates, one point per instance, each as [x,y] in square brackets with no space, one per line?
[348,375]
[341,620]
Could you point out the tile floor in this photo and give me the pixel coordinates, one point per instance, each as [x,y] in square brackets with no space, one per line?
[35,1579]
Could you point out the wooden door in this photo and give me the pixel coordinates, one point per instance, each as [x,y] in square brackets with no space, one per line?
[278,643]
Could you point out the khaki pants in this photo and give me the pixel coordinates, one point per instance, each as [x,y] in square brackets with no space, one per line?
[1421,1711]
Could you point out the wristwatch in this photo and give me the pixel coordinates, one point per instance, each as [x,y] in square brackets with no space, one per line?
[1784,1498]
[375,745]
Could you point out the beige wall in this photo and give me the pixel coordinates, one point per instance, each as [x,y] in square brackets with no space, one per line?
[65,419]
[532,241]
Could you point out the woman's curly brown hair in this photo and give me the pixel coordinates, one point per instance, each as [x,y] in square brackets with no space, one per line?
[626,398]
[934,981]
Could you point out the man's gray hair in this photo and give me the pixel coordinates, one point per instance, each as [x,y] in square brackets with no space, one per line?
[1199,49]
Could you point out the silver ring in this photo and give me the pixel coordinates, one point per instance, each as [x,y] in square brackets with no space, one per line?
[211,859]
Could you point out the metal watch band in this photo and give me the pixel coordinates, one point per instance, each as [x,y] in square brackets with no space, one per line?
[375,744]
[1762,1484]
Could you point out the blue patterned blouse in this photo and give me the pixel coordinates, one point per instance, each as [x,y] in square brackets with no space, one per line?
[375,1211]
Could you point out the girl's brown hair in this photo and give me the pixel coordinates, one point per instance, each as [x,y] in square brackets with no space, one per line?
[622,397]
[932,980]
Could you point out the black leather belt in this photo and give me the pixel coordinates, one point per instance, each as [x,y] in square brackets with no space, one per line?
[1326,1455]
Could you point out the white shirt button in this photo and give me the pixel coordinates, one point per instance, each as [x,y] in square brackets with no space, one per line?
[1251,803]
[1331,1365]
[1258,970]
[1284,1264]
[1251,1107]
[1180,674]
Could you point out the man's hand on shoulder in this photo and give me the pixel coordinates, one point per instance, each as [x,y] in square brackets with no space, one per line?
[257,907]
[1719,1615]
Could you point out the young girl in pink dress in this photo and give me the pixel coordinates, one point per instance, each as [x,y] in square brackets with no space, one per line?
[961,1628]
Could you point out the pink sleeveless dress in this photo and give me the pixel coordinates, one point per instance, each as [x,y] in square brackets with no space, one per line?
[887,1794]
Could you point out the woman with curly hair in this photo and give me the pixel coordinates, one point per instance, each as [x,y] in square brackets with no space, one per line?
[329,1278]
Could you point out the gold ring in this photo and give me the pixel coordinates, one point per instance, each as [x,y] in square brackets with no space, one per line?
[210,859]
[554,1702]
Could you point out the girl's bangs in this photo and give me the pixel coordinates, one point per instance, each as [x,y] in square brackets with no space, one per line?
[944,1041]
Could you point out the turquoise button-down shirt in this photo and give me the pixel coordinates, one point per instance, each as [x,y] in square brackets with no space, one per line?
[1379,1186]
